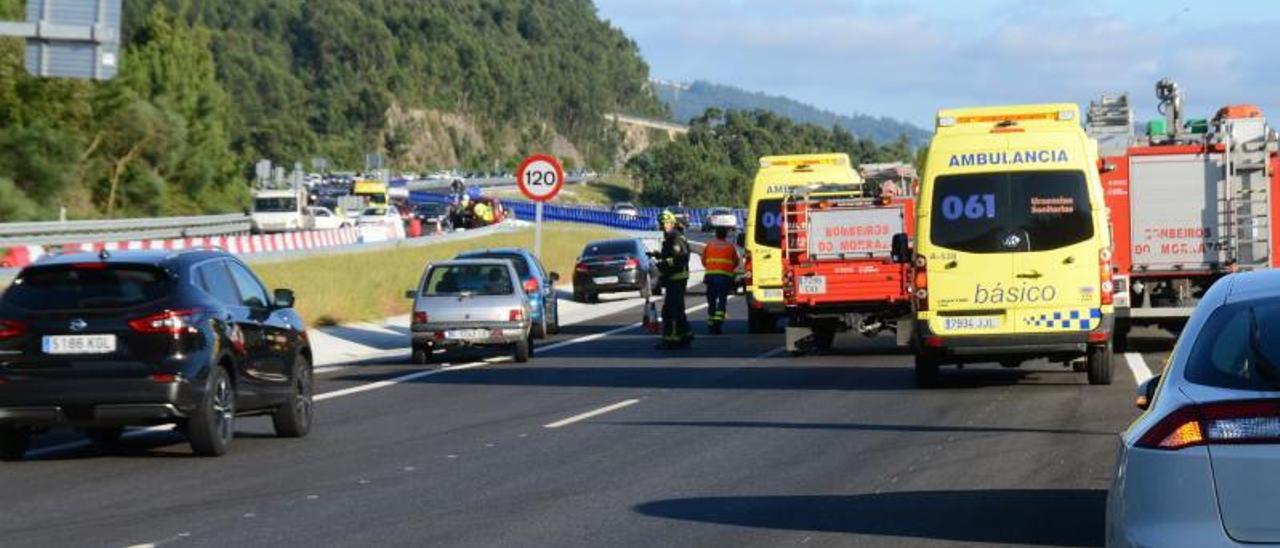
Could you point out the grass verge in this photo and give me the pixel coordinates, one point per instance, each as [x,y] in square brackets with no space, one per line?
[370,286]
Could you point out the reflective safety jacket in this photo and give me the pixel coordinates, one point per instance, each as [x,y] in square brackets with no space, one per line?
[720,258]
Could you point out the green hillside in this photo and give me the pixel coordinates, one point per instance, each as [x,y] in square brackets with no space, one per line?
[689,101]
[209,86]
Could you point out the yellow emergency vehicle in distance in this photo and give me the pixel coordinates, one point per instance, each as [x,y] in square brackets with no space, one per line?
[1012,258]
[763,237]
[374,192]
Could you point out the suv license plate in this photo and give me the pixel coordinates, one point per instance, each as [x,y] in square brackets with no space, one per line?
[813,285]
[466,334]
[988,322]
[606,280]
[78,344]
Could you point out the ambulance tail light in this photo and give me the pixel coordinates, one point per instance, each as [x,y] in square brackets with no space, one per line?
[1107,286]
[920,283]
[747,275]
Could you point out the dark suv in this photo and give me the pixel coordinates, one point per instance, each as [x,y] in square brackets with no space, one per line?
[105,341]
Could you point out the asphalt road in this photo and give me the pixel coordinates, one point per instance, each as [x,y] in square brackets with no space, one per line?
[730,443]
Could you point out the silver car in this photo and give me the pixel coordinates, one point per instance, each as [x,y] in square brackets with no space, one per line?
[1201,467]
[470,302]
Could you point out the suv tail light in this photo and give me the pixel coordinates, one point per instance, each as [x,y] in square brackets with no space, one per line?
[419,317]
[10,329]
[631,264]
[515,315]
[531,286]
[172,322]
[1106,287]
[580,267]
[1236,422]
[920,283]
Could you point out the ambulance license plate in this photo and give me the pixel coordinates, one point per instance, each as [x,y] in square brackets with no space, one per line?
[965,324]
[812,285]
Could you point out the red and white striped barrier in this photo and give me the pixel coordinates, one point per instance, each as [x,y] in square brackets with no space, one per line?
[21,256]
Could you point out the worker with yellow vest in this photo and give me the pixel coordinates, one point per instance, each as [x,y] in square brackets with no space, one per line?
[673,266]
[483,213]
[720,261]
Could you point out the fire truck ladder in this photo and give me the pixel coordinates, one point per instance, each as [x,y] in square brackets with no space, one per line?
[1246,196]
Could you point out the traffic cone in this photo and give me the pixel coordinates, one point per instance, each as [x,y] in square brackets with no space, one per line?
[652,324]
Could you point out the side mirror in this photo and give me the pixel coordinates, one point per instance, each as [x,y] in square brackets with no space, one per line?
[555,276]
[410,293]
[283,298]
[742,239]
[1147,393]
[900,249]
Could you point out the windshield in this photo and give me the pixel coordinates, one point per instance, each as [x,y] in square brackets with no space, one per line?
[1010,212]
[472,279]
[87,286]
[608,248]
[769,222]
[431,209]
[1239,347]
[275,205]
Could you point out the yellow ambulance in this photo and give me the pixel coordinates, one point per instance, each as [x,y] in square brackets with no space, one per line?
[1012,259]
[763,237]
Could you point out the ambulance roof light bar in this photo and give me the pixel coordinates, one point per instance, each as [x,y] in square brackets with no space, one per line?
[1057,115]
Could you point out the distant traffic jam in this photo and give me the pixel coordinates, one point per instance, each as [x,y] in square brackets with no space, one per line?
[1027,236]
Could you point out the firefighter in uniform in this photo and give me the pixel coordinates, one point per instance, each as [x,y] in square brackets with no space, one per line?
[720,259]
[673,265]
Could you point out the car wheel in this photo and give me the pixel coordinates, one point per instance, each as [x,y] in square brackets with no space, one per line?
[212,425]
[593,297]
[14,441]
[523,351]
[293,419]
[1100,364]
[554,327]
[926,372]
[539,330]
[106,436]
[421,355]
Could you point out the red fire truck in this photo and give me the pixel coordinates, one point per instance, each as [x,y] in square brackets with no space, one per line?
[1190,202]
[837,270]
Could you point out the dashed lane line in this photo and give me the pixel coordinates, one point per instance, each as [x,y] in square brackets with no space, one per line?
[592,413]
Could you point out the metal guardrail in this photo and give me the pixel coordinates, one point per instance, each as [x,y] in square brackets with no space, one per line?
[73,232]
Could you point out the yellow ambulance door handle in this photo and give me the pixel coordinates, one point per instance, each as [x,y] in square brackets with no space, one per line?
[1071,259]
[1034,274]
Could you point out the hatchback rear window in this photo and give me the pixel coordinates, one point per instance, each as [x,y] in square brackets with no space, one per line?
[472,279]
[1239,347]
[87,286]
[522,266]
[612,247]
[1010,212]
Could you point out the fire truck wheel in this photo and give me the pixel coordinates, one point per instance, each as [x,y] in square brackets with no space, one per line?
[1100,364]
[926,372]
[823,337]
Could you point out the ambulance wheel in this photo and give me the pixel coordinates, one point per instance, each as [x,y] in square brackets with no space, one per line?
[1099,360]
[757,321]
[926,372]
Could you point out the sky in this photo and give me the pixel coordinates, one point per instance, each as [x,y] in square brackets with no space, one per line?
[907,59]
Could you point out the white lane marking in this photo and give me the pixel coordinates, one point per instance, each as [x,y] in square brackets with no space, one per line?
[1139,367]
[403,379]
[770,353]
[593,413]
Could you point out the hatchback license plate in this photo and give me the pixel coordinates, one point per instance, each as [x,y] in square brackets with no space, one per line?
[813,285]
[466,334]
[607,280]
[990,322]
[79,344]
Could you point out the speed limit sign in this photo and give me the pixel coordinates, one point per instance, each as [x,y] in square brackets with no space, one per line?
[540,177]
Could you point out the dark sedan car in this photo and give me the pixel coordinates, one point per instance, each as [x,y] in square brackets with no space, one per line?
[614,266]
[101,342]
[431,213]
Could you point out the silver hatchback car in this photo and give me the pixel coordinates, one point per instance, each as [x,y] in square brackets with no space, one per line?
[1201,467]
[470,302]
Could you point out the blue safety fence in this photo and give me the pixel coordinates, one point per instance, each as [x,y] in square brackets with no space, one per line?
[525,212]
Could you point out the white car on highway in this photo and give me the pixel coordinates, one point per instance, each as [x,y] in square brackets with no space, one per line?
[323,218]
[1201,467]
[379,216]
